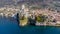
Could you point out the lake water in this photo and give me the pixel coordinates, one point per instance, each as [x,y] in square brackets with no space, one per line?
[40,30]
[10,26]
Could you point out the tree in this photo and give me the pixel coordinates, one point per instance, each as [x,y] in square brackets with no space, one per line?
[41,18]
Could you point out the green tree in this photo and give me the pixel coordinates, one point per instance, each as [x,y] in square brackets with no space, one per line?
[41,18]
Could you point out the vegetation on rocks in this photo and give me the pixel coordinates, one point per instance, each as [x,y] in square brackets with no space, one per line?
[41,18]
[23,21]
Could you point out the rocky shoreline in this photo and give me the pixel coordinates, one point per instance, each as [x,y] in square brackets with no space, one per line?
[40,25]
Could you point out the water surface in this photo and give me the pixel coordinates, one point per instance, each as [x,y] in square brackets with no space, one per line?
[40,30]
[10,26]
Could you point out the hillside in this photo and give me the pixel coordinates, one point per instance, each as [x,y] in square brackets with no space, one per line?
[41,3]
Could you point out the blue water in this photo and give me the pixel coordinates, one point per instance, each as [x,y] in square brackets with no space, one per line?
[40,30]
[10,26]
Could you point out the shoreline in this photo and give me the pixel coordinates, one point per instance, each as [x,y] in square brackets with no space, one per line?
[39,25]
[42,25]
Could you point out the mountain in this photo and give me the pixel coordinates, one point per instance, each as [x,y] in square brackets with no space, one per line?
[42,3]
[6,2]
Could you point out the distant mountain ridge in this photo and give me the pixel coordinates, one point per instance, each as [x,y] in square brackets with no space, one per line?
[3,2]
[49,3]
